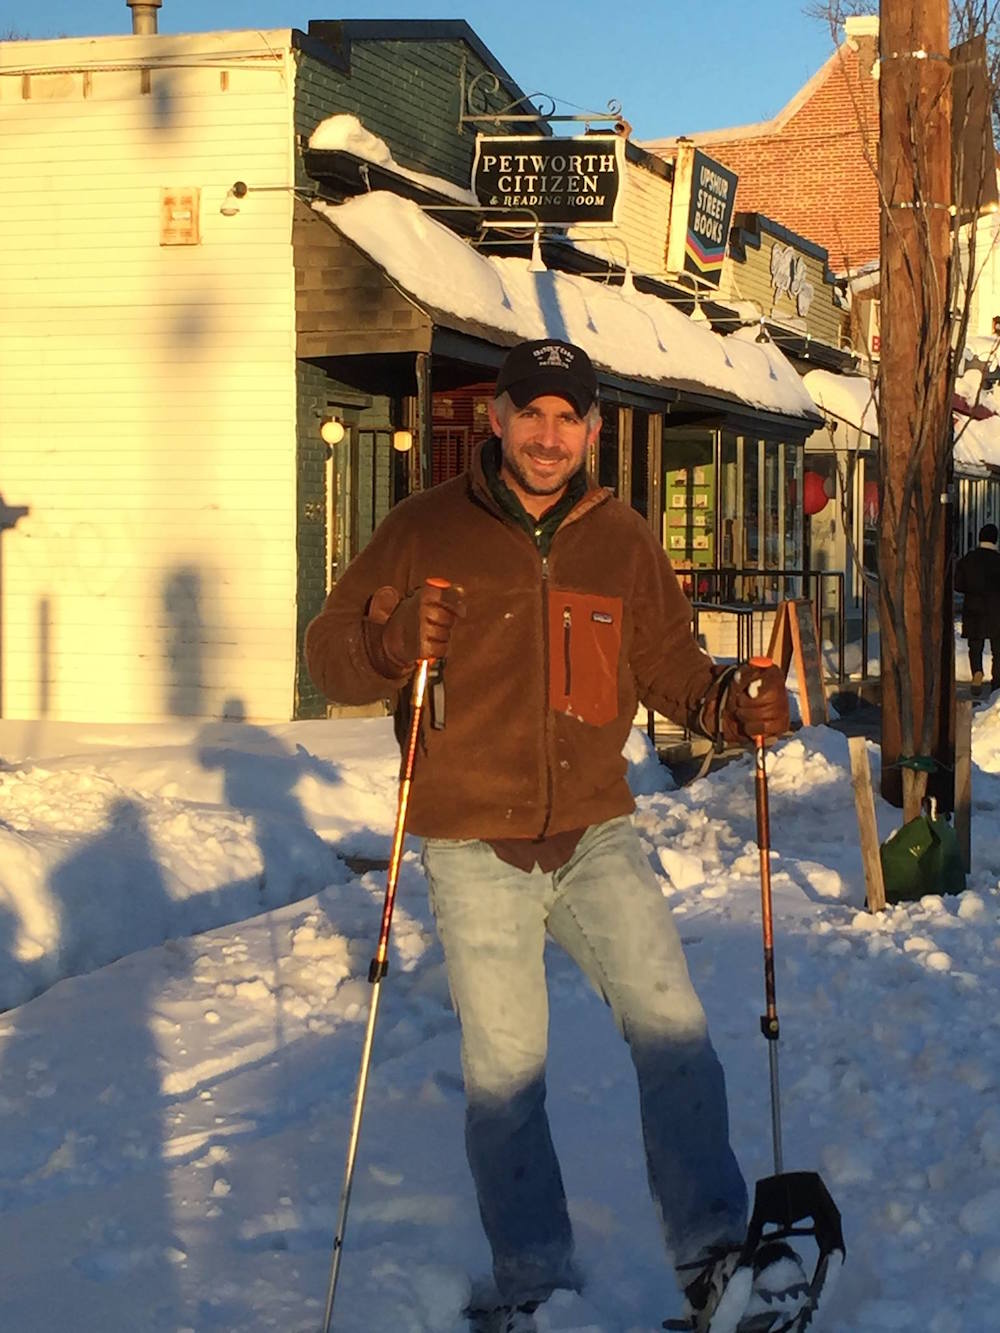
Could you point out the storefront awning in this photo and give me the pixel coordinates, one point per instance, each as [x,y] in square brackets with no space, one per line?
[627,334]
[853,399]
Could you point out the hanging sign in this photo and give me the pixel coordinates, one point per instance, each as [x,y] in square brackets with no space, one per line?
[701,213]
[561,182]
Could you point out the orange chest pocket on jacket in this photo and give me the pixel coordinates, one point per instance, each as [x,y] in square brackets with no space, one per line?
[585,639]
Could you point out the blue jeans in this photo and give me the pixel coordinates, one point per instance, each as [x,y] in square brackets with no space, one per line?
[605,908]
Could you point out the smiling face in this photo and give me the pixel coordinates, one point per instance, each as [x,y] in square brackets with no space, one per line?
[543,444]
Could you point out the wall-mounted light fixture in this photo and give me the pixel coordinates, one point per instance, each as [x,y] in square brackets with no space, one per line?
[402,441]
[332,431]
[240,189]
[231,203]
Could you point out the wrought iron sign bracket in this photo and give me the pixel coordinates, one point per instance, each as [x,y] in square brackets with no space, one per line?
[472,106]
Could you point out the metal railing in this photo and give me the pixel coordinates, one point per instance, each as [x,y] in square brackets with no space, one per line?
[744,592]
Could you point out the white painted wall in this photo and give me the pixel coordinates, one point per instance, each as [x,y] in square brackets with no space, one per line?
[147,392]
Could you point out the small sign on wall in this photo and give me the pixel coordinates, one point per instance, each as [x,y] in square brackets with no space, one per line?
[179,215]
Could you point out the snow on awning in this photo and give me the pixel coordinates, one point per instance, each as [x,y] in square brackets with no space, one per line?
[977,444]
[631,335]
[977,434]
[849,398]
[346,134]
[853,399]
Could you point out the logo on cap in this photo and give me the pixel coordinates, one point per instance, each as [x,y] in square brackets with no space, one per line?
[553,354]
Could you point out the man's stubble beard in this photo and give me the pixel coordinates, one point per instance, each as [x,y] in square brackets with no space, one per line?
[529,487]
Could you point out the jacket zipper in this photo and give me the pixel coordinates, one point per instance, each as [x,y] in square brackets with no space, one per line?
[548,712]
[567,659]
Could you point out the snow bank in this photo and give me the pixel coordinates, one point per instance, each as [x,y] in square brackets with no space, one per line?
[174,1124]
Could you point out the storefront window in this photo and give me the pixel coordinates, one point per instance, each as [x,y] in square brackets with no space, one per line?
[607,463]
[689,503]
[460,420]
[792,490]
[751,503]
[730,537]
[773,508]
[640,461]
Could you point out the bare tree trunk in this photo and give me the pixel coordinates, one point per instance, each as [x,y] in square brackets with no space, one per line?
[915,425]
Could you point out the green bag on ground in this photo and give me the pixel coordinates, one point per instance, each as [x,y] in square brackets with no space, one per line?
[921,857]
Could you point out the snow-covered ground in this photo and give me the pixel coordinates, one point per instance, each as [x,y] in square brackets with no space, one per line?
[183,964]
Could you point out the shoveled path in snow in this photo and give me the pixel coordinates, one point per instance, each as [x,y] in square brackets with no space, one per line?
[173,1124]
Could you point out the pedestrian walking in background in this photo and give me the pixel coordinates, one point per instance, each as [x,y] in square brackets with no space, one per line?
[561,614]
[977,578]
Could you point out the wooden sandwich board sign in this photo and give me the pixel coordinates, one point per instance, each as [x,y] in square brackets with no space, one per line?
[794,635]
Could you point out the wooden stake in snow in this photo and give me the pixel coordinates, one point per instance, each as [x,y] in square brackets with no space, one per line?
[864,801]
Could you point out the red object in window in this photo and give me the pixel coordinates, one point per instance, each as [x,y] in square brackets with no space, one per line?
[814,496]
[871,502]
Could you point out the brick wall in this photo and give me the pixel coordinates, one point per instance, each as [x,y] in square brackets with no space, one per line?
[813,168]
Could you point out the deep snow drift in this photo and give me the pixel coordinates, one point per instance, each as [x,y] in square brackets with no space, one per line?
[173,1124]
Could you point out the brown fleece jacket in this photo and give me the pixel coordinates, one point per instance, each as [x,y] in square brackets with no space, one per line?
[543,673]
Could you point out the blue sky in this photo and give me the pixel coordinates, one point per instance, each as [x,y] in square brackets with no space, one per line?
[677,66]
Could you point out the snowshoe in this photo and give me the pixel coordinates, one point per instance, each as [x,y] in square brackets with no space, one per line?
[788,1206]
[767,1295]
[764,1288]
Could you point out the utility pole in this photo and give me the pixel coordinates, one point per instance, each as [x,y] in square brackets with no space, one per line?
[915,423]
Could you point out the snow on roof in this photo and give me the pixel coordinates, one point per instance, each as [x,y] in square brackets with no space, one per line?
[850,398]
[347,134]
[853,399]
[632,335]
[977,443]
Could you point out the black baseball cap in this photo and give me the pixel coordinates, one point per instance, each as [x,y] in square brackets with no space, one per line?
[532,369]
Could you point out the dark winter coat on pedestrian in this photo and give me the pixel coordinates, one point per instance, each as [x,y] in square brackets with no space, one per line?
[545,670]
[977,577]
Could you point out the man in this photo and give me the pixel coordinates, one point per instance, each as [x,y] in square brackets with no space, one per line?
[562,611]
[977,576]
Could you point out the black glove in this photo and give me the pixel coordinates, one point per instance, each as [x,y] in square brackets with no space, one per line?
[419,627]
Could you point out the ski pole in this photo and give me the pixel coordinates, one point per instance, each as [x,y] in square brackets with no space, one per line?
[769,1020]
[378,968]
